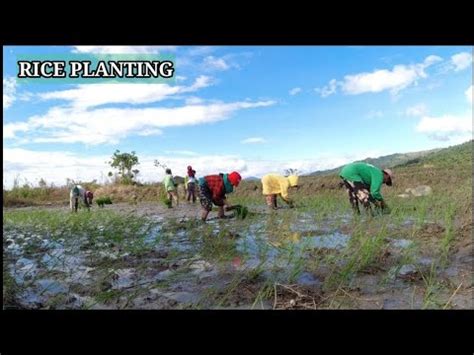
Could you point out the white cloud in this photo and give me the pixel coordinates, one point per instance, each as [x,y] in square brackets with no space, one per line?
[201,50]
[9,90]
[468,94]
[328,89]
[375,114]
[123,49]
[181,152]
[430,60]
[228,61]
[200,60]
[194,100]
[201,81]
[150,132]
[109,125]
[89,95]
[417,110]
[295,91]
[461,61]
[400,77]
[55,167]
[321,161]
[9,129]
[447,127]
[395,80]
[212,62]
[253,140]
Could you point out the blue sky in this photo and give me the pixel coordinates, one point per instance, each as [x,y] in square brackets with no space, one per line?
[256,109]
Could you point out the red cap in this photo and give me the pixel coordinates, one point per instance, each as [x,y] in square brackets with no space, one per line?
[190,167]
[89,194]
[234,178]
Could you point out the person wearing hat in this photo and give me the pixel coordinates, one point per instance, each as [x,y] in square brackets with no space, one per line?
[190,184]
[78,192]
[213,190]
[363,182]
[277,185]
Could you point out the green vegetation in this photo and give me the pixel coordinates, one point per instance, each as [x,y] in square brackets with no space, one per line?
[101,201]
[124,163]
[258,260]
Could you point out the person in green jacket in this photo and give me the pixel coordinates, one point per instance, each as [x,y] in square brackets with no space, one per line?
[363,182]
[170,188]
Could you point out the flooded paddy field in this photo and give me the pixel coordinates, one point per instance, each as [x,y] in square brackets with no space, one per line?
[146,256]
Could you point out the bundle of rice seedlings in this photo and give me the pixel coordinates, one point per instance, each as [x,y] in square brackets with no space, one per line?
[164,198]
[101,201]
[240,211]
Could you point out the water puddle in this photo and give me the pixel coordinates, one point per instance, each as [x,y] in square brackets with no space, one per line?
[166,262]
[335,240]
[308,279]
[401,243]
[123,278]
[49,287]
[153,237]
[260,252]
[24,269]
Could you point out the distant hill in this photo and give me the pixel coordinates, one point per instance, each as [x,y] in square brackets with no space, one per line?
[252,178]
[459,153]
[456,156]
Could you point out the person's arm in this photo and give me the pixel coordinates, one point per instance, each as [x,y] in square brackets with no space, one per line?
[289,202]
[284,194]
[284,191]
[375,185]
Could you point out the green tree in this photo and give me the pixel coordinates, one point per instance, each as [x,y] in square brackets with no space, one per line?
[42,183]
[124,163]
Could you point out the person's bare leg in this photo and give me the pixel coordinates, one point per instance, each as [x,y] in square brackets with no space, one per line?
[177,198]
[353,201]
[270,201]
[204,214]
[220,213]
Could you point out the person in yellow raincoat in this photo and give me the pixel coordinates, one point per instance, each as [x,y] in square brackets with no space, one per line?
[275,185]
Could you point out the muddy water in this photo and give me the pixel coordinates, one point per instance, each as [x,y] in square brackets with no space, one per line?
[171,270]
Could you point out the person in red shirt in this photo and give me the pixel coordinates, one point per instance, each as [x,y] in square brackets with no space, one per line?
[190,184]
[213,190]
